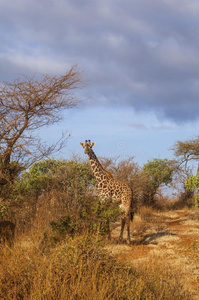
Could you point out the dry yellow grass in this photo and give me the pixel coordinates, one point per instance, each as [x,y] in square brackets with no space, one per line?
[163,243]
[161,263]
[80,269]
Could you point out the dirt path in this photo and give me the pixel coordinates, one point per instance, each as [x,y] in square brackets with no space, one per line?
[171,237]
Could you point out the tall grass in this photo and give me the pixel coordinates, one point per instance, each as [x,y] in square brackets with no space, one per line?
[79,268]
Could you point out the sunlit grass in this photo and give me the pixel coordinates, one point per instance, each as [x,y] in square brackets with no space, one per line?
[80,268]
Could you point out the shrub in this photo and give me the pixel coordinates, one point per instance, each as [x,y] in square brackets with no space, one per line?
[92,217]
[46,175]
[48,190]
[159,171]
[192,184]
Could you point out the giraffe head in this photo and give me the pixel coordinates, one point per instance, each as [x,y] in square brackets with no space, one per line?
[87,146]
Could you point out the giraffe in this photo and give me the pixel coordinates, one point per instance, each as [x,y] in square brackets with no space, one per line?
[110,188]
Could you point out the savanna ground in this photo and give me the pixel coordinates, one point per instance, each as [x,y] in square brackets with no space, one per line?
[162,261]
[164,240]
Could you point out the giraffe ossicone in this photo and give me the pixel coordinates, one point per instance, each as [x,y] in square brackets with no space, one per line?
[110,188]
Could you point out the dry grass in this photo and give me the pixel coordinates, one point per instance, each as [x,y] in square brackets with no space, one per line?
[165,203]
[164,249]
[193,214]
[84,267]
[79,268]
[166,280]
[148,220]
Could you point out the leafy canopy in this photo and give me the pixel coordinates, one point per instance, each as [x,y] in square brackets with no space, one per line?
[159,171]
[193,184]
[55,174]
[187,150]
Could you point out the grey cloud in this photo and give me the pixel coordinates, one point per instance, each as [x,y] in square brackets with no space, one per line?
[155,127]
[138,53]
[138,126]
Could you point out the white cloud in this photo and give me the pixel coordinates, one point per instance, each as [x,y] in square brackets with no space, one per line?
[149,121]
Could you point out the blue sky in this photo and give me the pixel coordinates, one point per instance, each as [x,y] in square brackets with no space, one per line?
[139,60]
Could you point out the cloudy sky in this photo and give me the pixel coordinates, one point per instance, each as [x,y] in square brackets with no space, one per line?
[139,59]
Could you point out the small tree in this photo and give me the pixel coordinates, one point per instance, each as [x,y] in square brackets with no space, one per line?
[26,105]
[49,175]
[159,171]
[193,184]
[185,152]
[49,189]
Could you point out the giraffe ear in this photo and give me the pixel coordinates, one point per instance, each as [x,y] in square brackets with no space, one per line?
[81,144]
[93,144]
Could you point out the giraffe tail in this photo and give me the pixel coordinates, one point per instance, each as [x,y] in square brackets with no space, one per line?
[132,212]
[132,215]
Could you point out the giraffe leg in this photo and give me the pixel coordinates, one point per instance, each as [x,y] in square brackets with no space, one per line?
[123,221]
[128,230]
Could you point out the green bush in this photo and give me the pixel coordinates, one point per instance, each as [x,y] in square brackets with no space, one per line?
[159,171]
[92,217]
[51,174]
[192,184]
[67,182]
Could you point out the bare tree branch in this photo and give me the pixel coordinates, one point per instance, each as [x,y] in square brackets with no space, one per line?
[28,104]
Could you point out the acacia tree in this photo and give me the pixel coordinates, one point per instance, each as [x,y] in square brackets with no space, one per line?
[26,105]
[192,184]
[187,151]
[159,171]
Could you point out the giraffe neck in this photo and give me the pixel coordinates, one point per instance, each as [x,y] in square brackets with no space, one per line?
[98,171]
